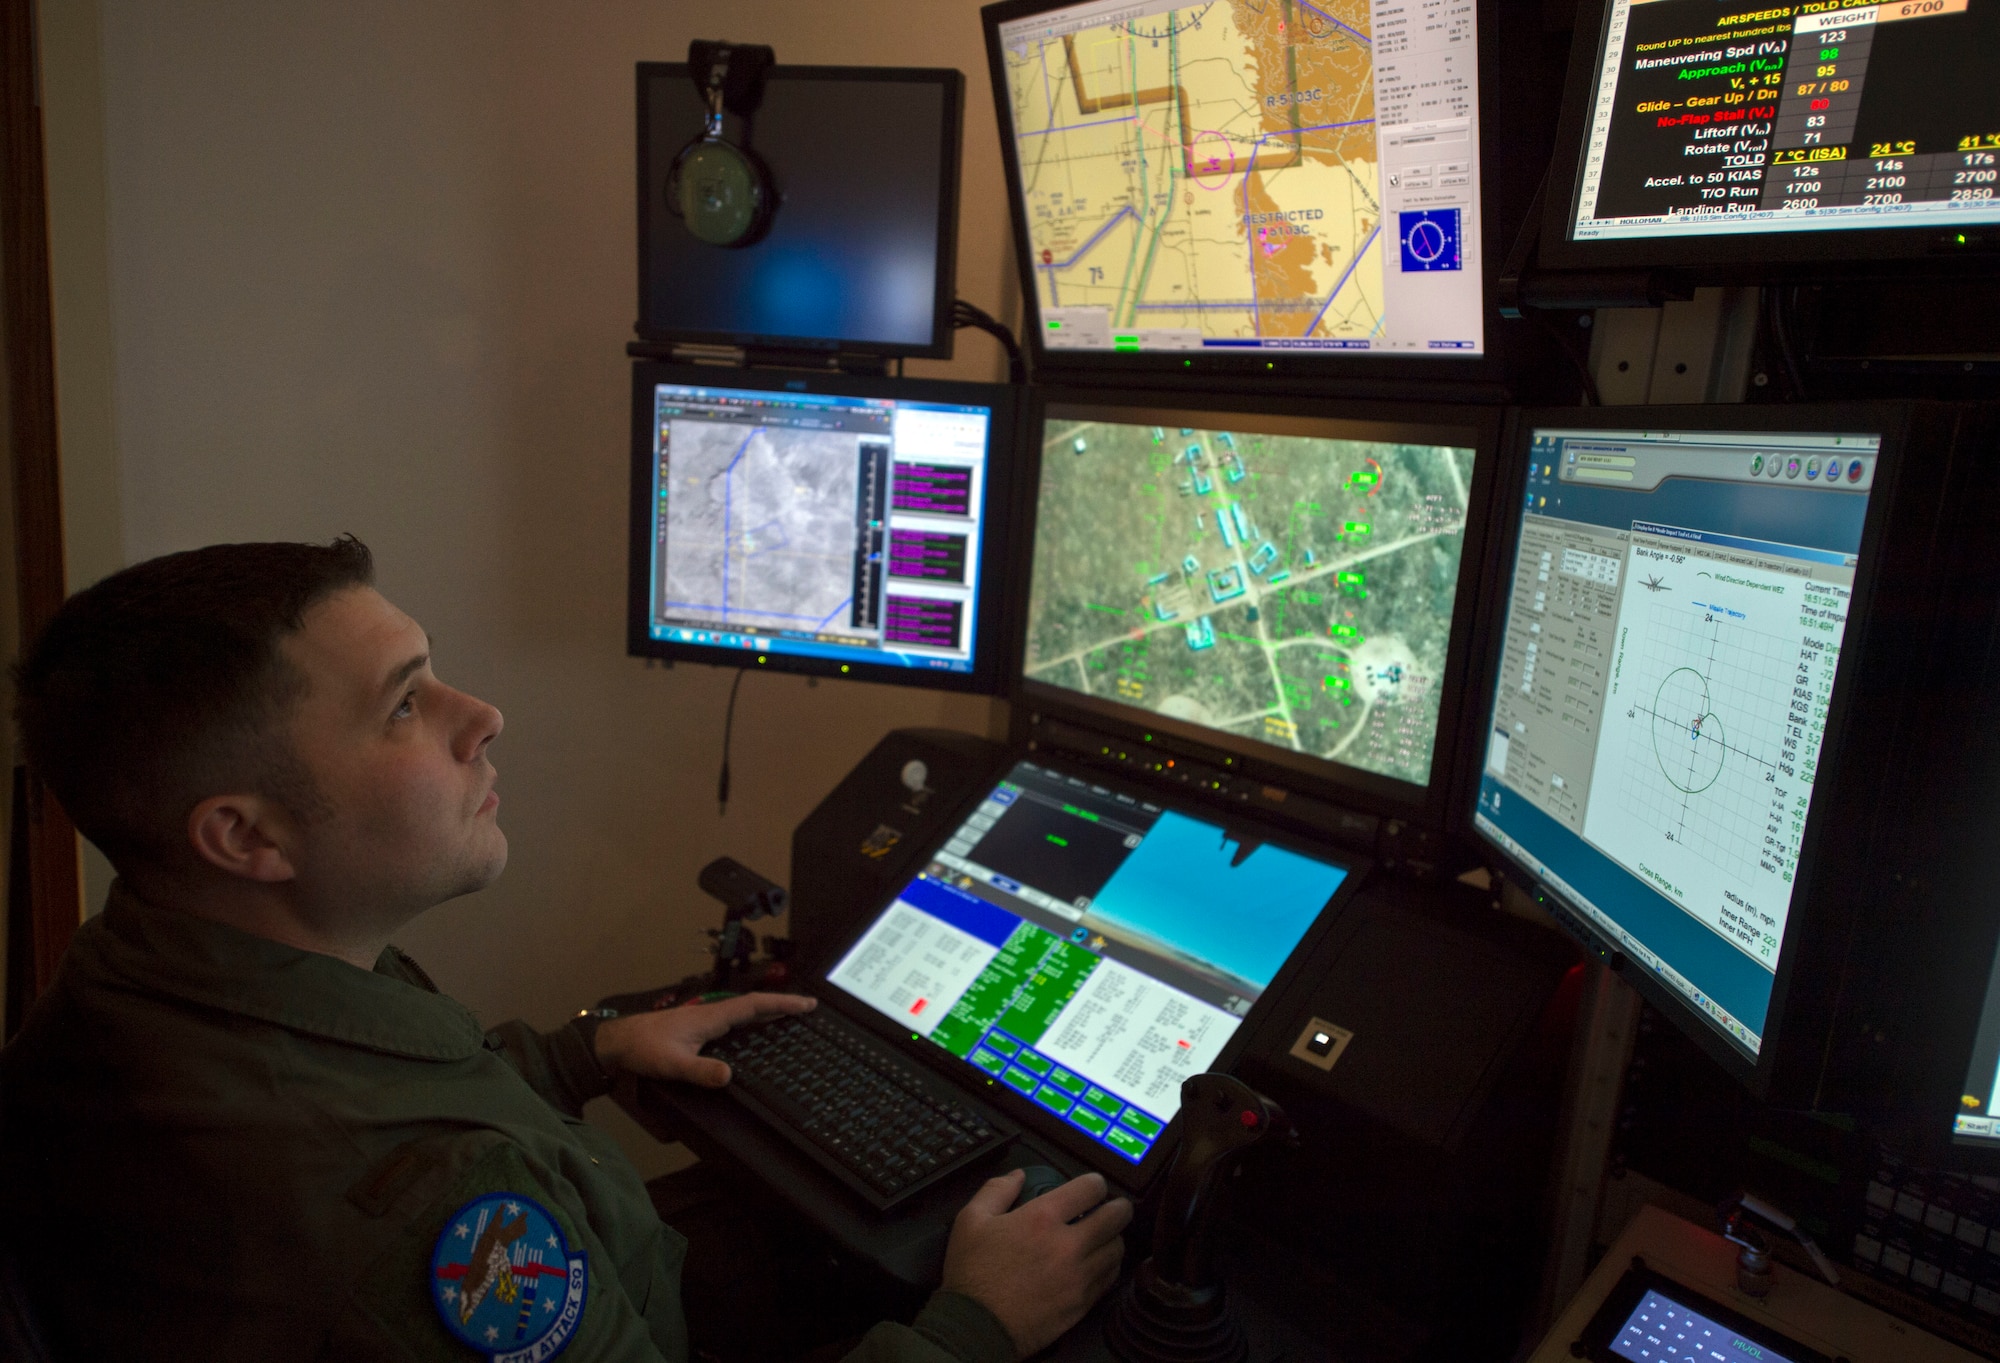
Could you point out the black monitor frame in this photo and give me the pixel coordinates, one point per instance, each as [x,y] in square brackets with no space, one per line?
[1017,1107]
[1364,371]
[952,90]
[994,627]
[1750,257]
[1431,807]
[1912,1023]
[1890,621]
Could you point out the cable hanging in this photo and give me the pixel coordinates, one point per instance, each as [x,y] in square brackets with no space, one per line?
[964,314]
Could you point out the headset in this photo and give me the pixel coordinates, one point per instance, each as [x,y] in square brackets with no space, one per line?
[719,189]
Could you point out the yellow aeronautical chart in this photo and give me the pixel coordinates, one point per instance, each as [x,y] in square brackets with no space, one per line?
[1213,175]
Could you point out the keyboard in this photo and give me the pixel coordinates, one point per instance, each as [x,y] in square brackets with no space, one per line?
[878,1122]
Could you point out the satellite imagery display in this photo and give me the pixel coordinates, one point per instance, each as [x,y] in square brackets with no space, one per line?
[760,529]
[1289,588]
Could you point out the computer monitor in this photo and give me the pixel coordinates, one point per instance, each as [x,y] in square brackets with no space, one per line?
[1708,136]
[1289,583]
[1087,945]
[826,524]
[1681,616]
[1243,186]
[861,253]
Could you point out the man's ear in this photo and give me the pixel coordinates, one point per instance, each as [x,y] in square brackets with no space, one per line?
[245,835]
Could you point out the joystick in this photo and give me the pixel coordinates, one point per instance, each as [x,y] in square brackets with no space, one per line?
[1174,1309]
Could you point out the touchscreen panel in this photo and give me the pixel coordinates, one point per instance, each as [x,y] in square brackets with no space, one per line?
[1088,948]
[1663,1329]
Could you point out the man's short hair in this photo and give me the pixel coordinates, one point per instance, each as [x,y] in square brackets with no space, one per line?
[165,684]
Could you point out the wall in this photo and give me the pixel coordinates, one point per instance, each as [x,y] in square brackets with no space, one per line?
[369,268]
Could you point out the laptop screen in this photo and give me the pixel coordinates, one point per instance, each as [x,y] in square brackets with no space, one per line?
[1087,947]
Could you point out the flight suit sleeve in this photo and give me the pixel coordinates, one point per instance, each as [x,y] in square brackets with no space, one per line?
[952,1328]
[558,1065]
[494,1258]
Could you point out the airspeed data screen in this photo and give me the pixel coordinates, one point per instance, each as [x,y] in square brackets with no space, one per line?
[1673,632]
[1711,119]
[1296,175]
[816,524]
[1087,948]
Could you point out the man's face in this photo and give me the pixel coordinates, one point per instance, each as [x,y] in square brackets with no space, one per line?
[409,810]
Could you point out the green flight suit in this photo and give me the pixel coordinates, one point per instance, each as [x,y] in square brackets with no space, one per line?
[218,1148]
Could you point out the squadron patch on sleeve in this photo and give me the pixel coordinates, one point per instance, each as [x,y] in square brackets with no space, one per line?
[504,1279]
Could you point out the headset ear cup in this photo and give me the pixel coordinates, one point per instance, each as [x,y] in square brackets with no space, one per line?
[672,188]
[722,193]
[766,199]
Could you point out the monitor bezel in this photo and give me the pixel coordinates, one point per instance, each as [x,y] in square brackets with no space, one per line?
[939,347]
[993,627]
[1812,963]
[1747,257]
[1017,1106]
[1352,788]
[1096,366]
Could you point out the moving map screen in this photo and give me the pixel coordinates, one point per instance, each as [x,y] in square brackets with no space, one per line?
[1248,174]
[817,525]
[1821,116]
[1088,948]
[1287,580]
[1673,634]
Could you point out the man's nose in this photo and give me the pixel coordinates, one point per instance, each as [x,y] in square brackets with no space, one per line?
[481,725]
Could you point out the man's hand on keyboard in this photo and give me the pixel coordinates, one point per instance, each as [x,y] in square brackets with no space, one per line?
[1030,1267]
[667,1044]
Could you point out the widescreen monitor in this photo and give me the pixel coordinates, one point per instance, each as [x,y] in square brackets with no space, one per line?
[1704,134]
[1289,582]
[1065,941]
[826,524]
[1256,182]
[861,252]
[1674,613]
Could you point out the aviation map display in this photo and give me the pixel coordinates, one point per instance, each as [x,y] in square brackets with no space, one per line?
[1292,589]
[1254,173]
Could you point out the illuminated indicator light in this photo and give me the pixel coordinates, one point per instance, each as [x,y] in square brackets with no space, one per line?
[1060,842]
[843,667]
[762,659]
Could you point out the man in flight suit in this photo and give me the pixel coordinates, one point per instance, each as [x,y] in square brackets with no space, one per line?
[243,1126]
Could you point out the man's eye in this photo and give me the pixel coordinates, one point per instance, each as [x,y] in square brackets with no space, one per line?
[407,707]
